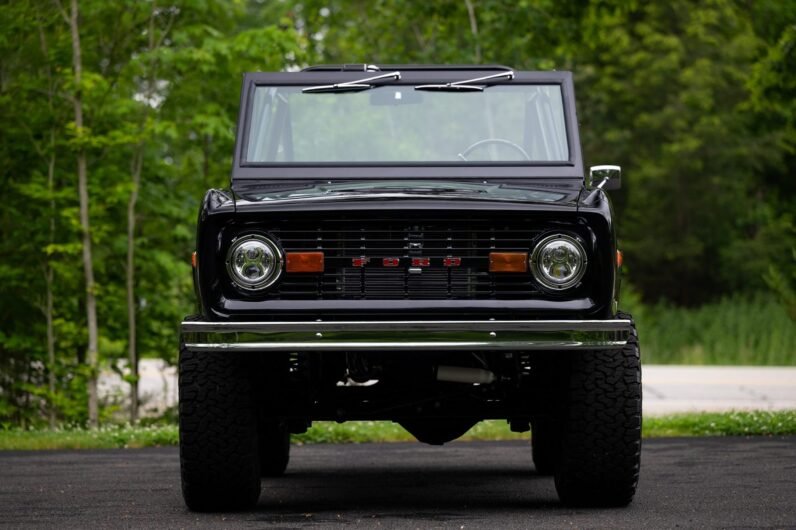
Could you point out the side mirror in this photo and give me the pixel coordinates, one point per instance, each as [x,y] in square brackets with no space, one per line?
[605,177]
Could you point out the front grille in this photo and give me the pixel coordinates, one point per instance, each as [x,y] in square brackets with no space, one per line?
[342,241]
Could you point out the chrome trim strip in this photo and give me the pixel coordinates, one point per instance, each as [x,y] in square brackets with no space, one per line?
[407,325]
[407,335]
[404,346]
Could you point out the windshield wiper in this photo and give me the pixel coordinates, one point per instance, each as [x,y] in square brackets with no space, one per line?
[351,86]
[466,85]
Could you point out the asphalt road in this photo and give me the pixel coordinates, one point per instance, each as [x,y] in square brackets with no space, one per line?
[670,388]
[706,482]
[667,388]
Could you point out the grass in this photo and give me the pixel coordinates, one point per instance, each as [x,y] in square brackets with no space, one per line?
[735,331]
[385,431]
[693,424]
[106,437]
[739,423]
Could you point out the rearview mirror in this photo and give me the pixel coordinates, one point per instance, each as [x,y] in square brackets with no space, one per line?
[388,95]
[605,177]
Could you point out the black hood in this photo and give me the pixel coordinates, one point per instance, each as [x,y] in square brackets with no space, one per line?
[257,195]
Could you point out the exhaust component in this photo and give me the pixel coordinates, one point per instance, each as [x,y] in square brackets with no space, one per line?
[460,374]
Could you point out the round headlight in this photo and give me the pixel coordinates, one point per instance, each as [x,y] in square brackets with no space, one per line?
[254,262]
[558,261]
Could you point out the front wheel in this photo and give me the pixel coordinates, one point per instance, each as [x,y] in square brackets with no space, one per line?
[601,449]
[219,460]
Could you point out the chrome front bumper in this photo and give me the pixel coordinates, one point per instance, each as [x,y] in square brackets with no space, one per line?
[406,335]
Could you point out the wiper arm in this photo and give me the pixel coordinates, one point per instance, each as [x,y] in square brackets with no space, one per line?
[467,85]
[351,86]
[406,189]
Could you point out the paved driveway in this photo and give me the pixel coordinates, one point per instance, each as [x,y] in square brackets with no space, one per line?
[687,483]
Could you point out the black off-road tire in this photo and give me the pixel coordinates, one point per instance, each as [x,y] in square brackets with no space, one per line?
[219,459]
[274,448]
[545,444]
[601,449]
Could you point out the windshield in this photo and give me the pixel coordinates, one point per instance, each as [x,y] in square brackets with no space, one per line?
[396,124]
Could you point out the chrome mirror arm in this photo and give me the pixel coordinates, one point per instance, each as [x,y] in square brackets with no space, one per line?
[608,173]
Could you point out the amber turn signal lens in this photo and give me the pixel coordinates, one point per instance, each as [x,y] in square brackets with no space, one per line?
[508,262]
[619,258]
[304,262]
[193,259]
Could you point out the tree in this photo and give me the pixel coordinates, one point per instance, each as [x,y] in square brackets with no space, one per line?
[92,354]
[148,96]
[662,89]
[121,82]
[137,103]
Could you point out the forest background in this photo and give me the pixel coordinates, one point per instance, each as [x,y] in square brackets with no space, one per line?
[117,116]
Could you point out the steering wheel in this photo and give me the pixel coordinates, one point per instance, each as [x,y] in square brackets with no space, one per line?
[489,141]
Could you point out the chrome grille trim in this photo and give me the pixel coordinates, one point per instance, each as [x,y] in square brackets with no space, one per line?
[344,240]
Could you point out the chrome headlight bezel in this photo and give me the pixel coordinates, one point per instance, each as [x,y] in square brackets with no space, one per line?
[274,258]
[541,276]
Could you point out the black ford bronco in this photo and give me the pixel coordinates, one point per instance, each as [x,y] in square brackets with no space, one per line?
[418,244]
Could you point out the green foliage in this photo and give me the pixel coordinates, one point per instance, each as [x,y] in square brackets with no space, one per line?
[696,101]
[736,330]
[784,285]
[692,211]
[161,80]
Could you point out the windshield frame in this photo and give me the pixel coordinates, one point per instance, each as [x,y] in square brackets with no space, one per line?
[246,170]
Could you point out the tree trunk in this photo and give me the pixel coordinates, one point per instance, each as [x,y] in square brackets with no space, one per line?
[49,272]
[474,30]
[132,352]
[49,275]
[85,225]
[50,348]
[136,167]
[206,161]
